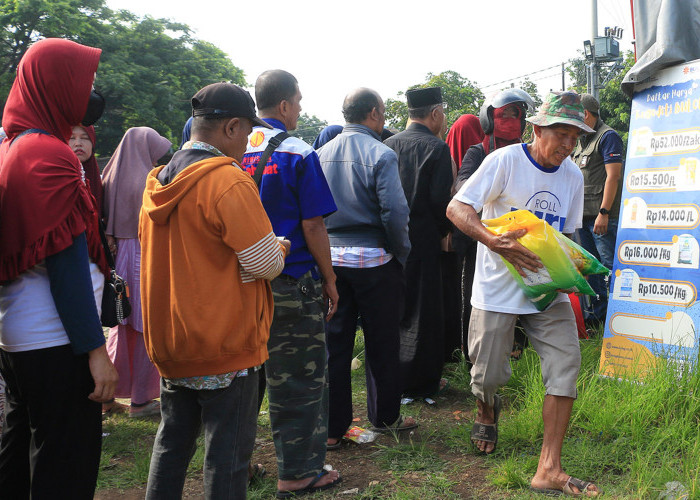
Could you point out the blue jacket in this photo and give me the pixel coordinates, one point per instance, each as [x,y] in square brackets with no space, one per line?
[363,175]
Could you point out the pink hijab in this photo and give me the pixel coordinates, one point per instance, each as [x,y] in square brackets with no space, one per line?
[124,179]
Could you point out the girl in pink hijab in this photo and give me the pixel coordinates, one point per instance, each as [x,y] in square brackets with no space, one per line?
[124,180]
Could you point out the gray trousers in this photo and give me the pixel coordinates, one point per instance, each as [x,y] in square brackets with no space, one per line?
[553,335]
[229,419]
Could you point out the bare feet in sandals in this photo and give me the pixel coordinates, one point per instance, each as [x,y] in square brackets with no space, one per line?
[485,415]
[562,483]
[299,484]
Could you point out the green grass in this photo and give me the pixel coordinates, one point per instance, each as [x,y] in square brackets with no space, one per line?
[631,438]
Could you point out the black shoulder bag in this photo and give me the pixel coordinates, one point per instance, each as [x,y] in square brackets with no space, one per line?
[115,296]
[272,144]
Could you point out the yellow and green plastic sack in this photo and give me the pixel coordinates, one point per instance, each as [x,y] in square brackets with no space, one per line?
[565,263]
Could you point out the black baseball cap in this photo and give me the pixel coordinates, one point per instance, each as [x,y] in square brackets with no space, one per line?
[225,100]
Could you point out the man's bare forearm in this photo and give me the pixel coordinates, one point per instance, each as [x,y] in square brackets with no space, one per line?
[467,220]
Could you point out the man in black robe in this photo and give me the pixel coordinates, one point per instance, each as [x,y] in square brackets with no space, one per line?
[425,168]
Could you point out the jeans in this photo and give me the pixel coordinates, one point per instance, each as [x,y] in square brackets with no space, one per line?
[229,419]
[601,247]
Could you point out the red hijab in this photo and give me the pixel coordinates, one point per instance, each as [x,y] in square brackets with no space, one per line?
[92,171]
[463,134]
[44,201]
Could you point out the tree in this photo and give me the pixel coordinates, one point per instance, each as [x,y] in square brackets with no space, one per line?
[615,106]
[149,68]
[308,128]
[461,95]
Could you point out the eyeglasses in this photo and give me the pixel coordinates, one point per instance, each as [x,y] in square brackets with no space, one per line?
[442,105]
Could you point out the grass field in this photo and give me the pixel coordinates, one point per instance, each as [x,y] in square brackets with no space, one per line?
[630,438]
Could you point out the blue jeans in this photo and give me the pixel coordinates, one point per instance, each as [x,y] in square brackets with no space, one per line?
[229,419]
[602,247]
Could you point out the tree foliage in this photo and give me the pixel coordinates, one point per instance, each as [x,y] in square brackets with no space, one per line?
[149,68]
[461,95]
[308,128]
[615,106]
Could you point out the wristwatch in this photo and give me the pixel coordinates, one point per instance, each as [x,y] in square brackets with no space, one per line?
[604,211]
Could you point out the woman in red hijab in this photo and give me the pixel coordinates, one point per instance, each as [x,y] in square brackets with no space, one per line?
[82,142]
[464,133]
[52,269]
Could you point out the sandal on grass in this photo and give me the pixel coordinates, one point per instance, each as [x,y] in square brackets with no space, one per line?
[444,385]
[397,426]
[579,484]
[488,432]
[310,488]
[256,473]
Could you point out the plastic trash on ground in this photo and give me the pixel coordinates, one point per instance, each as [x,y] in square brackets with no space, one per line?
[360,435]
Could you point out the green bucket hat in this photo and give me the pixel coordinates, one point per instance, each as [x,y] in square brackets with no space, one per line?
[561,107]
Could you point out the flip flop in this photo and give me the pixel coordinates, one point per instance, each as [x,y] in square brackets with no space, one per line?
[310,488]
[395,427]
[334,446]
[546,491]
[256,473]
[579,484]
[442,389]
[488,432]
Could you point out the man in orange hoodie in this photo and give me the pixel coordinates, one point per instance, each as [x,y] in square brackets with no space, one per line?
[208,253]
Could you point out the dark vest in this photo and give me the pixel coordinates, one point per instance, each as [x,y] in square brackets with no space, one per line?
[587,156]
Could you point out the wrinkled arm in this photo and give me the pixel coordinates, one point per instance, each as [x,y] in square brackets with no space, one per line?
[467,220]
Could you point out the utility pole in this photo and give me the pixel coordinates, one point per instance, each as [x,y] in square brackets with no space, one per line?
[593,66]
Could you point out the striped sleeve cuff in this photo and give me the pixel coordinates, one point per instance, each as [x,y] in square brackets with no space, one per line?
[263,260]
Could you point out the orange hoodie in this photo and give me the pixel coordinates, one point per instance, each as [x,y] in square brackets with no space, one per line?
[207,253]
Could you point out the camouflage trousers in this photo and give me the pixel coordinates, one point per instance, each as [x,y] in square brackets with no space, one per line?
[297,377]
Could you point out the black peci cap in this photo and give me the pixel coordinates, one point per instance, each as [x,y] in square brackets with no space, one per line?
[225,100]
[419,98]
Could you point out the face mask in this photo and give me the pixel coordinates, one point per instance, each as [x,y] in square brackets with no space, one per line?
[95,108]
[507,128]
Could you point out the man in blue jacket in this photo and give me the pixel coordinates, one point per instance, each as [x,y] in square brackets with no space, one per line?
[369,247]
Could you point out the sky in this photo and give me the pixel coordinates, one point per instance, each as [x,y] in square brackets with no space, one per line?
[333,47]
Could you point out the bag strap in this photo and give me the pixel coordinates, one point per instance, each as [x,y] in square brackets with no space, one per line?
[272,144]
[29,131]
[108,253]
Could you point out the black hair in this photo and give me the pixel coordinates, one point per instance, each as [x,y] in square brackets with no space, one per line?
[359,104]
[274,86]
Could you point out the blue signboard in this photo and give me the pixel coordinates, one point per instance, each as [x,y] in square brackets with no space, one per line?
[652,310]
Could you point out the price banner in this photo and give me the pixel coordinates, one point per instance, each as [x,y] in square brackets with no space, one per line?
[653,311]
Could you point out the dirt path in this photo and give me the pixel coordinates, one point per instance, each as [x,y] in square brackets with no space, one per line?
[359,464]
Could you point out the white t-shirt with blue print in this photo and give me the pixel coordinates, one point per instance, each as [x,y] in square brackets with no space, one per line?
[510,179]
